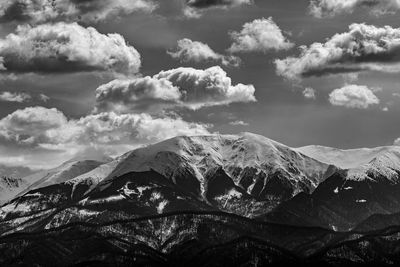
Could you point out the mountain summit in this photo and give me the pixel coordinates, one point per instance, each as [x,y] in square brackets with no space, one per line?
[245,174]
[182,192]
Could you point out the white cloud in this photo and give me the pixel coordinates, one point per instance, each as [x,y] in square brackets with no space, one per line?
[188,50]
[362,48]
[353,96]
[33,125]
[141,128]
[14,97]
[330,8]
[309,93]
[41,130]
[138,94]
[188,87]
[397,142]
[64,47]
[88,11]
[44,98]
[260,35]
[238,123]
[195,8]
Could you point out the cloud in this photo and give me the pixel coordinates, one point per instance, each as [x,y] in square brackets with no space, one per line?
[64,47]
[88,11]
[362,48]
[34,125]
[331,8]
[238,123]
[14,97]
[185,87]
[44,98]
[397,142]
[193,51]
[138,94]
[106,128]
[195,8]
[41,130]
[260,35]
[353,96]
[43,126]
[309,93]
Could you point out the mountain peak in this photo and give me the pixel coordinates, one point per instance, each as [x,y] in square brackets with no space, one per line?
[250,160]
[344,158]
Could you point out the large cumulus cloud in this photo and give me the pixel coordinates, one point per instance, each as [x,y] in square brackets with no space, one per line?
[38,129]
[88,11]
[188,87]
[362,48]
[198,52]
[260,35]
[330,8]
[64,47]
[353,96]
[35,125]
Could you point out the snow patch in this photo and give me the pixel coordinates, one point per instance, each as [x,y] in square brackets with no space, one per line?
[336,191]
[161,206]
[37,194]
[155,196]
[233,193]
[142,189]
[88,213]
[106,200]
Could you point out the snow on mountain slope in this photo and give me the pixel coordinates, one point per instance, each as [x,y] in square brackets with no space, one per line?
[250,160]
[345,159]
[245,174]
[63,173]
[382,161]
[60,174]
[386,165]
[10,181]
[9,187]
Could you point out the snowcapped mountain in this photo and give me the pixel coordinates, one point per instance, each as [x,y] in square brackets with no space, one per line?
[9,187]
[245,174]
[13,187]
[250,160]
[343,158]
[62,173]
[383,162]
[11,181]
[368,185]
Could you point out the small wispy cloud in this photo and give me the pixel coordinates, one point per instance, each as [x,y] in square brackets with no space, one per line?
[239,123]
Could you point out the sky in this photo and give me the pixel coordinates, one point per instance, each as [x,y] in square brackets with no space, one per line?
[102,77]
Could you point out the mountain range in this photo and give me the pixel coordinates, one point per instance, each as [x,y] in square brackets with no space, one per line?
[197,198]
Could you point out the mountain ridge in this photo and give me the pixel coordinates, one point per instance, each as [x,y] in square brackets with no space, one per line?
[246,174]
[190,198]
